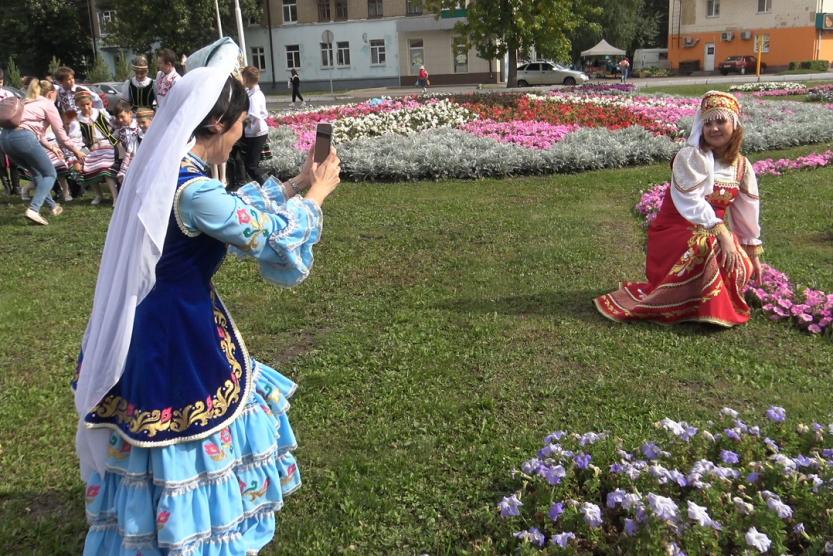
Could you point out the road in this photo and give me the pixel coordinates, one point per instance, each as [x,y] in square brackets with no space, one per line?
[282,101]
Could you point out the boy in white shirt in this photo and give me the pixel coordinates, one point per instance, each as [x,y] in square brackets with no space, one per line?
[256,131]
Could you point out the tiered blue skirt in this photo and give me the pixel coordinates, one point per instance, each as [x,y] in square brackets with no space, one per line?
[211,497]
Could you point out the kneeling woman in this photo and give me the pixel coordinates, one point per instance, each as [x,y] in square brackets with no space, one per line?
[704,246]
[183,437]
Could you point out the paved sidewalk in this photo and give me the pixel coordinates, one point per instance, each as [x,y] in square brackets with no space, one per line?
[278,101]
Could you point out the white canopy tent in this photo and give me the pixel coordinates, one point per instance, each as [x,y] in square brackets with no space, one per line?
[603,49]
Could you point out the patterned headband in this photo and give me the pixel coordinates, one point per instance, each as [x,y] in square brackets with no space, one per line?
[82,94]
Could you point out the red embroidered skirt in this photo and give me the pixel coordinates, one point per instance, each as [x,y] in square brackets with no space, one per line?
[685,280]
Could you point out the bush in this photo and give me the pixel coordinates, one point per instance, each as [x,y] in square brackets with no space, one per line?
[122,67]
[100,71]
[815,65]
[54,64]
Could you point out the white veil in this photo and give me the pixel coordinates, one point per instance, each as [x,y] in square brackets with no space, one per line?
[135,239]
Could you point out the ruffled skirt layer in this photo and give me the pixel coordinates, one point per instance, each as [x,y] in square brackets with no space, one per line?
[216,496]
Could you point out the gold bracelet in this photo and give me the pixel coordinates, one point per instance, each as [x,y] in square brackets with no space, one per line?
[718,229]
[754,250]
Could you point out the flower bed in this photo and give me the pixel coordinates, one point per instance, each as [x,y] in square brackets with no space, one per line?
[531,126]
[725,487]
[766,86]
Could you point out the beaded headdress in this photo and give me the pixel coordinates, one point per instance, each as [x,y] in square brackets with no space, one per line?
[144,112]
[82,94]
[717,104]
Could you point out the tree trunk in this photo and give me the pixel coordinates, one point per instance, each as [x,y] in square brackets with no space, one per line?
[512,73]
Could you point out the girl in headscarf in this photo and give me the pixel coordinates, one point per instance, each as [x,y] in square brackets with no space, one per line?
[704,246]
[183,437]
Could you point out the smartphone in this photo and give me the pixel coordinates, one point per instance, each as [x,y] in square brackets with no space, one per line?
[323,140]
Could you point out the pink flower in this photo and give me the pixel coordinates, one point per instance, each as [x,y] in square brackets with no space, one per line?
[243,216]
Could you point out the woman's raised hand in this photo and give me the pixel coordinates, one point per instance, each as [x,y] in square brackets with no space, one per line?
[324,177]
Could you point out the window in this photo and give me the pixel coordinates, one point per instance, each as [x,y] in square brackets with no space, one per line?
[413,7]
[764,6]
[341,9]
[461,57]
[712,8]
[105,19]
[758,39]
[416,53]
[533,67]
[324,13]
[374,8]
[377,52]
[290,11]
[343,53]
[326,54]
[258,57]
[293,56]
[252,20]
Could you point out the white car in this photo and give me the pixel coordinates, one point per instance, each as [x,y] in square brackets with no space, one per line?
[548,73]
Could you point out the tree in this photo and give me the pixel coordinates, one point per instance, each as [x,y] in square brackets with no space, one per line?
[626,24]
[181,25]
[100,71]
[498,27]
[123,67]
[32,31]
[54,64]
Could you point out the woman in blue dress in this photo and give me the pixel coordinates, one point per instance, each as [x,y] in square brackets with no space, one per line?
[183,437]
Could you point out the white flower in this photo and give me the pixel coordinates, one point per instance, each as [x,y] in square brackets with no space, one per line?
[758,541]
[699,514]
[743,507]
[783,511]
[729,412]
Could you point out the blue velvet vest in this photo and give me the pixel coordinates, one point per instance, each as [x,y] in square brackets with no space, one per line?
[187,373]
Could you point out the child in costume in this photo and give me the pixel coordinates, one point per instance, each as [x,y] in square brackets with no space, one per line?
[65,78]
[138,90]
[101,141]
[144,117]
[167,76]
[128,134]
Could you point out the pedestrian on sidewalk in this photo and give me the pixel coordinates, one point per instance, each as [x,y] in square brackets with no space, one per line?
[423,80]
[295,81]
[624,68]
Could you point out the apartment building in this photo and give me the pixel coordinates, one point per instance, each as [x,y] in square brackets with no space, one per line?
[706,32]
[375,43]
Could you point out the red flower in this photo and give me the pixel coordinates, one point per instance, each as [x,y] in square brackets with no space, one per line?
[211,449]
[92,491]
[209,403]
[221,332]
[166,414]
[162,518]
[225,436]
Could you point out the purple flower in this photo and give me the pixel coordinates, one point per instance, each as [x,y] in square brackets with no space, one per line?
[770,443]
[510,506]
[617,468]
[728,456]
[590,438]
[556,510]
[562,539]
[651,451]
[582,460]
[783,511]
[531,466]
[776,414]
[592,514]
[533,536]
[552,474]
[753,477]
[799,529]
[827,453]
[615,497]
[664,508]
[734,434]
[631,527]
[803,461]
[554,437]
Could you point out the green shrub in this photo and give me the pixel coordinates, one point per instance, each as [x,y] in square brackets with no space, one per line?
[815,65]
[54,64]
[122,66]
[13,74]
[100,71]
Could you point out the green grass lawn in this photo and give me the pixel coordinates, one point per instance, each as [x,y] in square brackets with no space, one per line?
[446,328]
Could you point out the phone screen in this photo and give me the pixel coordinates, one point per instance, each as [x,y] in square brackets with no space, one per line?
[323,140]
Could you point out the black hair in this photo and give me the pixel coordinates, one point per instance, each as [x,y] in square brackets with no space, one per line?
[167,55]
[232,102]
[121,106]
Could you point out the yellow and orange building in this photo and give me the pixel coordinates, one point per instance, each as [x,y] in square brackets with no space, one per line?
[703,33]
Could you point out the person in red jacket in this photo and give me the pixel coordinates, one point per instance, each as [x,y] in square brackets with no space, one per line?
[422,80]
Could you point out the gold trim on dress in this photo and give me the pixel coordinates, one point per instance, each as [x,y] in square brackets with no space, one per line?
[151,422]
